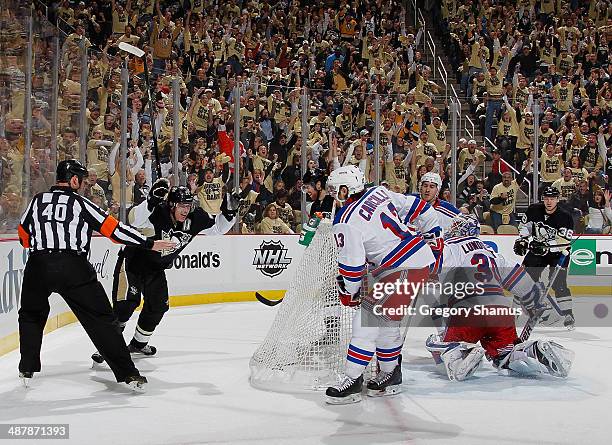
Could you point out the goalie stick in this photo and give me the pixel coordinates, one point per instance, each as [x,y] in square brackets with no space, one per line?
[267,302]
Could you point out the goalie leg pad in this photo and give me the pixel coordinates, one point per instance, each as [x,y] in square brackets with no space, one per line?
[539,357]
[462,361]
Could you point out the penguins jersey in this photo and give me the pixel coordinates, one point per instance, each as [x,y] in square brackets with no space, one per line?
[159,224]
[373,229]
[444,210]
[554,229]
[469,260]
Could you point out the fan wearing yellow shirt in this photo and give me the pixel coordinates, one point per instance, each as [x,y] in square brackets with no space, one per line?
[566,185]
[210,191]
[494,81]
[508,131]
[563,93]
[551,165]
[503,201]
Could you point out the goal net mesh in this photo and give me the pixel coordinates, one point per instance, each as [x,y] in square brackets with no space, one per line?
[305,348]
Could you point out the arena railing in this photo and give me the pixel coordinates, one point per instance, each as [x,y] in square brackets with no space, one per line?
[515,171]
[443,76]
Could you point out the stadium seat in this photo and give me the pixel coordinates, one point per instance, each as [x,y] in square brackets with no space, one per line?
[507,229]
[486,229]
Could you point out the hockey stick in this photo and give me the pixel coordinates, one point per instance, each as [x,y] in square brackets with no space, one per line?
[534,319]
[267,302]
[137,52]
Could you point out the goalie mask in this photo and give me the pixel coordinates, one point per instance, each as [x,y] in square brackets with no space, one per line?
[463,225]
[349,176]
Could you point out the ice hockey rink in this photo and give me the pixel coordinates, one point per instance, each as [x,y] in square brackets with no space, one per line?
[199,393]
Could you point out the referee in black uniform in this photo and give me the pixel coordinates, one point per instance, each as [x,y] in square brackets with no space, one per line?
[57,228]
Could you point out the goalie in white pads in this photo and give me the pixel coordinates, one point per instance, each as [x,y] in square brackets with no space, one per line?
[372,229]
[483,319]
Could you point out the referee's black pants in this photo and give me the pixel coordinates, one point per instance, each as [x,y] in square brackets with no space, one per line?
[128,287]
[74,278]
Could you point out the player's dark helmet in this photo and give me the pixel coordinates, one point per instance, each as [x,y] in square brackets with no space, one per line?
[69,168]
[550,192]
[179,195]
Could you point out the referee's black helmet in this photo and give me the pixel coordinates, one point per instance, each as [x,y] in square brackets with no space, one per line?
[69,168]
[179,195]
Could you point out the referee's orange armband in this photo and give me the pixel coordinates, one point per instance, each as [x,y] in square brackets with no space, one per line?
[24,236]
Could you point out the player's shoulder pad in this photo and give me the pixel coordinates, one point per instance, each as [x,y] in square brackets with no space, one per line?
[447,207]
[339,214]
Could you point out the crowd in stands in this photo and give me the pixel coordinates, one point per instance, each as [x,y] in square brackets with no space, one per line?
[506,56]
[555,54]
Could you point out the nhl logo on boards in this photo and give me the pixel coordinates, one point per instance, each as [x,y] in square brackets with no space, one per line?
[271,258]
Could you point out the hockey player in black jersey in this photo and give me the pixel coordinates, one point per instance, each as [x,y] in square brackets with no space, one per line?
[168,214]
[545,231]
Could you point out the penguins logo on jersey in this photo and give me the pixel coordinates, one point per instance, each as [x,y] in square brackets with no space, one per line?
[181,239]
[543,232]
[271,258]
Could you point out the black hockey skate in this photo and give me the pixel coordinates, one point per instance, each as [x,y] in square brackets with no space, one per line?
[347,391]
[136,383]
[97,359]
[25,378]
[147,350]
[386,383]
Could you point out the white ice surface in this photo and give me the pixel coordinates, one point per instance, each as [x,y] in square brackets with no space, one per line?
[199,393]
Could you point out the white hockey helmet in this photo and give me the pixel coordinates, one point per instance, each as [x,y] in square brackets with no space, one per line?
[431,177]
[349,176]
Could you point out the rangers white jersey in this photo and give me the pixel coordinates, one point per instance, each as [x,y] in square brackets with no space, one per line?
[374,230]
[489,272]
[445,211]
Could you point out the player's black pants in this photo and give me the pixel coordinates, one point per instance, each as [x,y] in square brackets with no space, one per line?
[74,278]
[127,290]
[535,265]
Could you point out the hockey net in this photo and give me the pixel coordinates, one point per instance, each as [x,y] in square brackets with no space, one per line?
[305,348]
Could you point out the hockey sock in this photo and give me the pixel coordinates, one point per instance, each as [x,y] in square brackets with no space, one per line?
[388,358]
[356,361]
[141,337]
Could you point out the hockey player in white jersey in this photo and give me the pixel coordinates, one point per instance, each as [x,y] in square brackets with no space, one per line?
[487,317]
[371,229]
[429,190]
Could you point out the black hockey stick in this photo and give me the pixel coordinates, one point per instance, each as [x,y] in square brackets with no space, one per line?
[267,302]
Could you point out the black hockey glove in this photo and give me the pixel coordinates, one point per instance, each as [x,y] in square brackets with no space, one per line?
[520,246]
[539,248]
[158,193]
[230,205]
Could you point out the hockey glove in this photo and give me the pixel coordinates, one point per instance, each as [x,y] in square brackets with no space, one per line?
[346,298]
[539,248]
[158,193]
[230,205]
[520,246]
